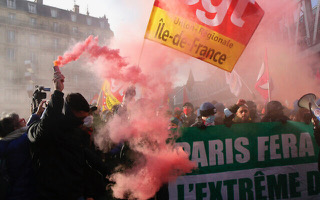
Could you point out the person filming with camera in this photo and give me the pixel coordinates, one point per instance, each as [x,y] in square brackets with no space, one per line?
[59,146]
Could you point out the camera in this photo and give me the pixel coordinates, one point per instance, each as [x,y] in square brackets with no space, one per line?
[38,95]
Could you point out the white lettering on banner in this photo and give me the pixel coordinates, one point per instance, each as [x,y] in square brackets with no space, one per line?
[220,152]
[215,151]
[306,145]
[262,147]
[274,146]
[185,146]
[289,146]
[221,11]
[229,151]
[245,157]
[279,182]
[199,154]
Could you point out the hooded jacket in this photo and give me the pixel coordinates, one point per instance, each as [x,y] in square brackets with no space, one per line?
[60,153]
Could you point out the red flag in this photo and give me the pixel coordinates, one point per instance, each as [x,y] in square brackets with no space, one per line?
[263,81]
[215,32]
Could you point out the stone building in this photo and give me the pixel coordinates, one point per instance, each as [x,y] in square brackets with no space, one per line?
[32,35]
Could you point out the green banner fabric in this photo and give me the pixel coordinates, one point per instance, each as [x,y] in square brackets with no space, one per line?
[250,161]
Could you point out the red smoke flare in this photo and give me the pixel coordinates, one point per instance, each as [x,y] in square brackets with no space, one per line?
[145,126]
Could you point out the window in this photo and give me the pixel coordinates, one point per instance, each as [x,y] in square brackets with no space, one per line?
[11,4]
[55,27]
[32,40]
[89,21]
[74,30]
[102,25]
[54,13]
[33,57]
[11,55]
[12,16]
[32,8]
[73,18]
[11,36]
[33,21]
[55,43]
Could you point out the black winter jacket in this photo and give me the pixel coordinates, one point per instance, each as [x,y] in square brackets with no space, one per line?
[60,154]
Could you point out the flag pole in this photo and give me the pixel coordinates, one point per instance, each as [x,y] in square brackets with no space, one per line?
[245,84]
[267,64]
[141,51]
[98,101]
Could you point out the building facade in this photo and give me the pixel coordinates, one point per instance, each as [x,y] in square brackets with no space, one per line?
[32,36]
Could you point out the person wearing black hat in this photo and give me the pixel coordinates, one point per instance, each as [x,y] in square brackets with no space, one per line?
[60,147]
[274,113]
[188,117]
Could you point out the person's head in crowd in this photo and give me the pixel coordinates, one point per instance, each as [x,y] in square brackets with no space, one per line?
[302,115]
[76,108]
[213,102]
[177,109]
[177,114]
[18,122]
[174,123]
[207,109]
[274,108]
[115,108]
[294,111]
[187,108]
[195,110]
[219,107]
[252,106]
[243,114]
[7,126]
[129,94]
[207,112]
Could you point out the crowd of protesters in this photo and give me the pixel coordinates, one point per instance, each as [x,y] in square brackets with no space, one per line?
[53,156]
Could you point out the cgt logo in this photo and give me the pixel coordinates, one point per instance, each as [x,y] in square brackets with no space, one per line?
[220,11]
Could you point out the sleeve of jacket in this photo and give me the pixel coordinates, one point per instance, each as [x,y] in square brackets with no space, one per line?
[230,114]
[95,162]
[50,119]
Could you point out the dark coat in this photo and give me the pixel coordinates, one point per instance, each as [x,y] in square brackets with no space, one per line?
[16,153]
[188,121]
[60,153]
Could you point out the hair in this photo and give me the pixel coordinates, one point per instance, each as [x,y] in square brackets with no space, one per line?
[7,126]
[15,117]
[77,102]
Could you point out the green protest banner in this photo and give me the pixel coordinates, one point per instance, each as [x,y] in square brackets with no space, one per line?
[250,161]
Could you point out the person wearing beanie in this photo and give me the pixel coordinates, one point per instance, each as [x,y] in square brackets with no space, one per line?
[207,112]
[254,115]
[188,117]
[274,113]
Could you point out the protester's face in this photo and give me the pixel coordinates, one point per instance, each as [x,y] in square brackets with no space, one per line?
[187,110]
[22,122]
[80,114]
[243,113]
